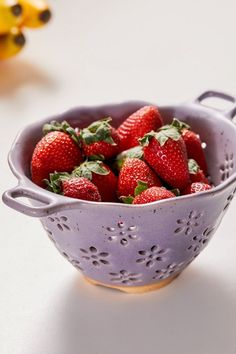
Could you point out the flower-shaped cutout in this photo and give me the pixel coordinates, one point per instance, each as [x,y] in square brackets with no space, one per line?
[122,233]
[229,200]
[187,225]
[60,222]
[125,277]
[49,233]
[171,269]
[227,167]
[97,258]
[64,254]
[199,241]
[76,264]
[151,256]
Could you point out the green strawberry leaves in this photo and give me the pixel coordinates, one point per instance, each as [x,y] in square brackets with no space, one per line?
[127,200]
[165,133]
[54,182]
[88,167]
[141,187]
[168,131]
[98,131]
[61,127]
[175,191]
[97,167]
[193,167]
[84,170]
[99,157]
[144,141]
[179,125]
[135,152]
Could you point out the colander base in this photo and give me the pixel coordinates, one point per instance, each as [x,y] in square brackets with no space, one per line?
[135,289]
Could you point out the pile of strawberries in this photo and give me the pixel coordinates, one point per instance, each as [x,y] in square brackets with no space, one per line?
[140,162]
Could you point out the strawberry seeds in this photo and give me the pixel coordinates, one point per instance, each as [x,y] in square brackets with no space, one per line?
[142,161]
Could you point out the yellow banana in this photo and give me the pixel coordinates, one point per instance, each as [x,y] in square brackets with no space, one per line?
[36,13]
[10,15]
[11,43]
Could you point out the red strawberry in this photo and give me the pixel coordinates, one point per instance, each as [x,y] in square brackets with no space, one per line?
[165,152]
[135,152]
[193,144]
[80,188]
[196,188]
[102,176]
[137,125]
[195,173]
[100,139]
[152,194]
[73,187]
[132,171]
[57,151]
[194,148]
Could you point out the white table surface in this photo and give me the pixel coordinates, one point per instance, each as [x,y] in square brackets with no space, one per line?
[95,52]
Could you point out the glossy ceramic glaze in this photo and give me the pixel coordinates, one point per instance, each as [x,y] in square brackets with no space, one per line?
[133,245]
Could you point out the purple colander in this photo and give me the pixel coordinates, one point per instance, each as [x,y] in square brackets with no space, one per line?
[134,248]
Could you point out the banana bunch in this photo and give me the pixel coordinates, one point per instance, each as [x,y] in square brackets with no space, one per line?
[16,14]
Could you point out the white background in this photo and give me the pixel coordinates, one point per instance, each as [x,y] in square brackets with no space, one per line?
[96,52]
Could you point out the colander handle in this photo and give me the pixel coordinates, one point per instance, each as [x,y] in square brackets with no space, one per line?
[10,198]
[224,96]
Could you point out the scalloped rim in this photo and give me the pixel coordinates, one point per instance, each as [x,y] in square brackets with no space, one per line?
[66,202]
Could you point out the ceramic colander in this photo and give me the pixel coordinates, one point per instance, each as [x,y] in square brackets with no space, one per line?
[133,247]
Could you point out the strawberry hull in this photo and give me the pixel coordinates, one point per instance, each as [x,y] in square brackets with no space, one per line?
[132,247]
[170,165]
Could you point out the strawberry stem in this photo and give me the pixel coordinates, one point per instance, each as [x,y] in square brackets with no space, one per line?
[88,167]
[135,152]
[193,166]
[166,132]
[99,157]
[175,191]
[61,127]
[55,180]
[98,131]
[178,124]
[127,200]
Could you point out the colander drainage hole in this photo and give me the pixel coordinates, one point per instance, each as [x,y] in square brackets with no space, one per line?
[122,233]
[227,167]
[65,255]
[123,241]
[60,221]
[97,258]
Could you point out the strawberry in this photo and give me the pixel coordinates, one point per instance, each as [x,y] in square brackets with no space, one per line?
[195,173]
[56,151]
[153,194]
[135,152]
[100,139]
[132,171]
[193,144]
[73,187]
[165,152]
[102,176]
[80,188]
[196,188]
[137,125]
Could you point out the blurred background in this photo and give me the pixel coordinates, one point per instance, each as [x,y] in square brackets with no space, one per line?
[95,52]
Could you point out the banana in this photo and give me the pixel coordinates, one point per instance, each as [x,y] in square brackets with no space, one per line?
[11,43]
[36,13]
[10,15]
